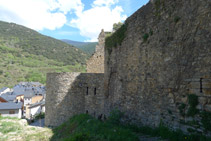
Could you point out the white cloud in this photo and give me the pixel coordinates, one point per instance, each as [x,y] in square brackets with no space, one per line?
[38,14]
[52,14]
[100,16]
[68,5]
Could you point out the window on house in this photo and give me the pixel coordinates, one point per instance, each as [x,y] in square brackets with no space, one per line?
[87,90]
[95,91]
[11,112]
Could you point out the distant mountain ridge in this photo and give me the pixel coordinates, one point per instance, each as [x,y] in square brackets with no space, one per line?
[87,47]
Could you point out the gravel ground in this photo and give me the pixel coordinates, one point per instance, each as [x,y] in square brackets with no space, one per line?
[39,123]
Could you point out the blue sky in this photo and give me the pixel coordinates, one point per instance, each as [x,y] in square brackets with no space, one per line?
[79,20]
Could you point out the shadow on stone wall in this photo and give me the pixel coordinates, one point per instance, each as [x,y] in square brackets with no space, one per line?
[70,94]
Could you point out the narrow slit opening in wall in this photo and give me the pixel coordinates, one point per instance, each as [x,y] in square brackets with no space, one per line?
[87,90]
[201,90]
[87,111]
[95,91]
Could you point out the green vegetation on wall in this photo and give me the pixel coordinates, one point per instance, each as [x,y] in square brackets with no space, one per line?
[145,37]
[206,120]
[116,38]
[193,102]
[182,109]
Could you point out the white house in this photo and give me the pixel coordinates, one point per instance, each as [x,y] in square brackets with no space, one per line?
[11,109]
[34,109]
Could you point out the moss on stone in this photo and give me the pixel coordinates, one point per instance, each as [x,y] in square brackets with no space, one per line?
[193,102]
[116,38]
[145,37]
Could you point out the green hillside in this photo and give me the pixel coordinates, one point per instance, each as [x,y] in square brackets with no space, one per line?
[26,55]
[87,47]
[16,36]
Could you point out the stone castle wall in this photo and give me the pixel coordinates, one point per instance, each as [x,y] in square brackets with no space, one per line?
[96,63]
[165,55]
[69,94]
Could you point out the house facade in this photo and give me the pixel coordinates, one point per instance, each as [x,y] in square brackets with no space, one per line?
[11,109]
[35,109]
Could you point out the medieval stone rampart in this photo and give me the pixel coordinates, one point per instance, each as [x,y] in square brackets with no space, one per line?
[157,68]
[96,62]
[69,94]
[164,57]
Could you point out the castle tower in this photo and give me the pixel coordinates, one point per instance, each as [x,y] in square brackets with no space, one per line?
[96,63]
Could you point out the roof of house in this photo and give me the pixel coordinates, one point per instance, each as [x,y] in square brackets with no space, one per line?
[8,97]
[2,89]
[2,99]
[28,95]
[37,104]
[29,84]
[10,105]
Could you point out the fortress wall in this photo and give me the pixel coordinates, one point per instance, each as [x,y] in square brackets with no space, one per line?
[67,96]
[163,57]
[94,98]
[96,63]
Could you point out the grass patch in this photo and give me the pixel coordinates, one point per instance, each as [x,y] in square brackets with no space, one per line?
[165,133]
[38,136]
[12,118]
[14,129]
[84,127]
[7,127]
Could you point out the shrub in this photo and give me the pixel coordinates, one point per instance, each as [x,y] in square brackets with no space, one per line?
[193,102]
[115,116]
[40,116]
[206,120]
[116,38]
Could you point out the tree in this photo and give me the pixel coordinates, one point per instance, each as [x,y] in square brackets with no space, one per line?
[116,26]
